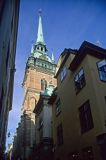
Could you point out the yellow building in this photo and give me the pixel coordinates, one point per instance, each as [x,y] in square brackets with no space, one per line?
[79,104]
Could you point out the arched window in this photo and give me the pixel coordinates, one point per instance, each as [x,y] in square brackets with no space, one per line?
[41,48]
[43,84]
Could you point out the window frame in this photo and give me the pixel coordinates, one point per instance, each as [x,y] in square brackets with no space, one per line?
[80,80]
[99,71]
[63,73]
[85,116]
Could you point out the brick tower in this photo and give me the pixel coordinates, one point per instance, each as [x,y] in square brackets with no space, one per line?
[39,73]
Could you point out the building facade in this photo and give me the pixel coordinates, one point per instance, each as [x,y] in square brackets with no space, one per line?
[18,141]
[39,73]
[79,105]
[43,127]
[9,14]
[9,152]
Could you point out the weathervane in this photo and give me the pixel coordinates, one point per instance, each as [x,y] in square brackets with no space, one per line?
[40,12]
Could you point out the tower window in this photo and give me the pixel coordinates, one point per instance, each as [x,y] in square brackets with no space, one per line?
[43,84]
[42,65]
[41,48]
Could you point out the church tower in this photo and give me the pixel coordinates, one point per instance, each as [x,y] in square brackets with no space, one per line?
[39,73]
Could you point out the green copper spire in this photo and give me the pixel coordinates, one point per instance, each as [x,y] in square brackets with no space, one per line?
[40,37]
[38,54]
[52,58]
[32,48]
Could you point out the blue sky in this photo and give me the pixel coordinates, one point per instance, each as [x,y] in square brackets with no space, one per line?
[66,24]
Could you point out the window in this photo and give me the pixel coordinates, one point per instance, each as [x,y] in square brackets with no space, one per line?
[102,70]
[88,153]
[85,115]
[43,84]
[42,65]
[60,135]
[58,107]
[79,80]
[63,73]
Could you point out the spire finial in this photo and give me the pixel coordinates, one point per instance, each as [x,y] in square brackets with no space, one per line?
[52,56]
[40,12]
[32,48]
[40,37]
